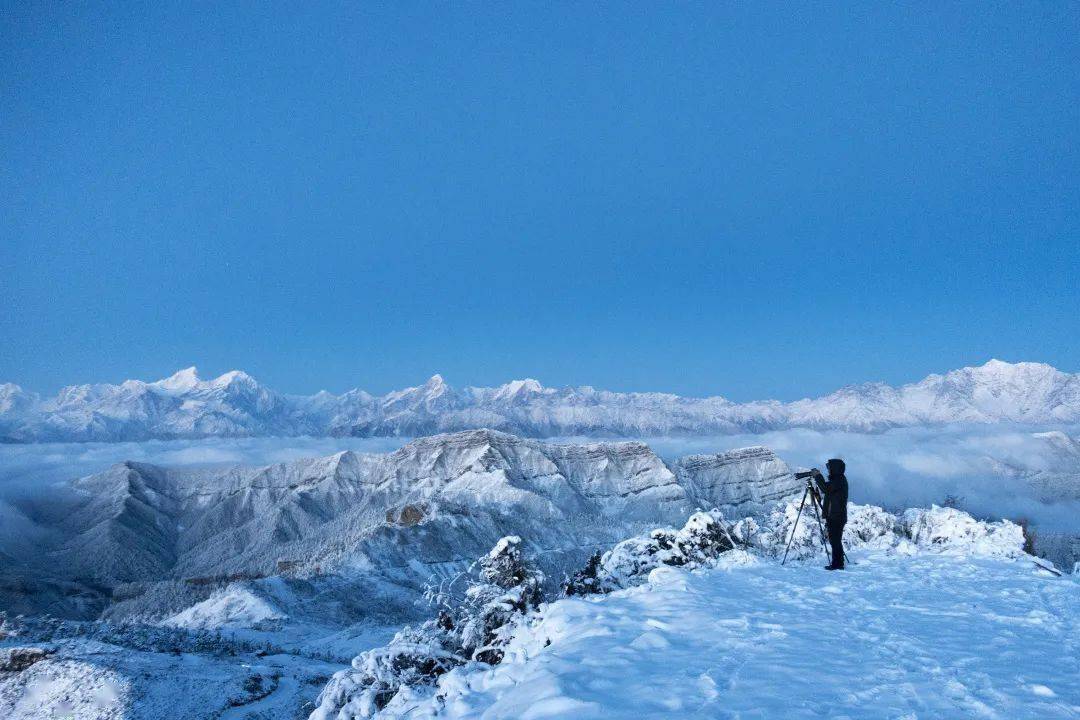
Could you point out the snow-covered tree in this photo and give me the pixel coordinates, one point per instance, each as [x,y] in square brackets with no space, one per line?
[704,537]
[502,589]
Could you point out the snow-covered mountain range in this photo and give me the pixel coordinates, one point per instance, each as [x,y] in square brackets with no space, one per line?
[353,535]
[236,405]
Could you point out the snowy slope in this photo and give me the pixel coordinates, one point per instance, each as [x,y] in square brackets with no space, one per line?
[941,616]
[90,680]
[930,636]
[235,404]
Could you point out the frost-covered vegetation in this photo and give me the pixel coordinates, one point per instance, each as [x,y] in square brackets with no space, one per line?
[470,628]
[129,634]
[707,535]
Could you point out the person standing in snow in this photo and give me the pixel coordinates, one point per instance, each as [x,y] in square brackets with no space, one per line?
[834,507]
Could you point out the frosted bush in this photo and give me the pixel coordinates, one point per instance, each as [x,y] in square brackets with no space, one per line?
[783,524]
[586,581]
[703,538]
[869,527]
[509,590]
[953,531]
[746,531]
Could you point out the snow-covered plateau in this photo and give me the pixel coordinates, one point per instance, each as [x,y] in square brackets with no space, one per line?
[147,591]
[236,405]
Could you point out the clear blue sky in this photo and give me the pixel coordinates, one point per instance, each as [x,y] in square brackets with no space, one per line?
[756,200]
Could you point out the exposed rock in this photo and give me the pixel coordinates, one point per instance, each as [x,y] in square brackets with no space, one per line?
[16,659]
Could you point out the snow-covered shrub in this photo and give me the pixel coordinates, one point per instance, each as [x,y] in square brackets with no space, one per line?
[413,657]
[510,588]
[870,526]
[502,590]
[784,524]
[701,540]
[953,531]
[746,532]
[586,581]
[936,529]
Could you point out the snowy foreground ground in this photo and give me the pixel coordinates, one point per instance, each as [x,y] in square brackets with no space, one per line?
[940,616]
[927,636]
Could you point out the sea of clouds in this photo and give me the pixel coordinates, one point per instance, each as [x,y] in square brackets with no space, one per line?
[899,468]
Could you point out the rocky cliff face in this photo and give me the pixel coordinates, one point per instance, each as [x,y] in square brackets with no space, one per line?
[747,478]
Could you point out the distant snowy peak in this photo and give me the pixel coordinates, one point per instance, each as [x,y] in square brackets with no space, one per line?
[235,404]
[13,399]
[517,390]
[431,395]
[187,382]
[994,392]
[182,381]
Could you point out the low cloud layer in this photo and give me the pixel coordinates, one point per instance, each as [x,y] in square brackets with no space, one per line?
[984,466]
[33,467]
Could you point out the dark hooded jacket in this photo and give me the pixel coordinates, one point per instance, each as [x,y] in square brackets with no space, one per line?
[834,493]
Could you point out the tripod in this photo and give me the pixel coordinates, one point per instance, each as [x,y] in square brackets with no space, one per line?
[815,502]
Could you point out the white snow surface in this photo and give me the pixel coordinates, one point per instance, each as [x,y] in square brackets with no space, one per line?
[236,405]
[89,680]
[237,605]
[916,634]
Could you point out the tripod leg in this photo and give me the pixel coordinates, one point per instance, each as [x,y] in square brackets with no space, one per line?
[821,527]
[795,526]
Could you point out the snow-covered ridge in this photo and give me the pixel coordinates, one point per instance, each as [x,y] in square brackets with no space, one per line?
[235,404]
[387,523]
[926,636]
[572,657]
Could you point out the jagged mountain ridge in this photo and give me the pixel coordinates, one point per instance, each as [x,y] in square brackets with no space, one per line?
[234,404]
[145,538]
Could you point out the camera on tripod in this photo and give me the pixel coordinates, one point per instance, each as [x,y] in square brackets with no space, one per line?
[813,493]
[808,476]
